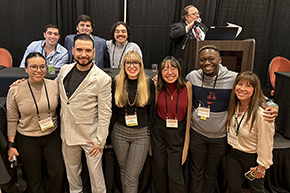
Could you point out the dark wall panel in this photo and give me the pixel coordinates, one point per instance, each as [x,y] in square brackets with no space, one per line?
[23,21]
[267,21]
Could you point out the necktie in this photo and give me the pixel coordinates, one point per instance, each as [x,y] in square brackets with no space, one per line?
[197,34]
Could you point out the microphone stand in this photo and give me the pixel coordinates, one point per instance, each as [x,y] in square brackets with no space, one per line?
[188,35]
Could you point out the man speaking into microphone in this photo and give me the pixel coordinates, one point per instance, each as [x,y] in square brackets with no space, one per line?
[190,27]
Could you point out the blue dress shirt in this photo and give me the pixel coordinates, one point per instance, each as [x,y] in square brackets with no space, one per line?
[58,57]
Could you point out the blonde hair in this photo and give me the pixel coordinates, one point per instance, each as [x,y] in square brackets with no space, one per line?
[143,91]
[258,99]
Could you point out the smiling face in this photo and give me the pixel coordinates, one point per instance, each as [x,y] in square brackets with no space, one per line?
[36,69]
[121,34]
[51,36]
[244,91]
[169,73]
[132,70]
[85,27]
[83,52]
[209,61]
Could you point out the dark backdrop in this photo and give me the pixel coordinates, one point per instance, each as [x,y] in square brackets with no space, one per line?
[267,21]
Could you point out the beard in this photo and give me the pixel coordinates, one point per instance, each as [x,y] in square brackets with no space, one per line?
[84,64]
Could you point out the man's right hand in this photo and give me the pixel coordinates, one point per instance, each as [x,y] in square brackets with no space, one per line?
[190,26]
[17,82]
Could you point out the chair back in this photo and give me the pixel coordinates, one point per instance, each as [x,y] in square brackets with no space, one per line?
[278,63]
[5,58]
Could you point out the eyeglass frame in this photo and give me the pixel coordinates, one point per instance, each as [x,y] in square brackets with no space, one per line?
[129,64]
[42,68]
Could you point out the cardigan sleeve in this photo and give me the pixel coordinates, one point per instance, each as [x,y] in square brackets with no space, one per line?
[265,140]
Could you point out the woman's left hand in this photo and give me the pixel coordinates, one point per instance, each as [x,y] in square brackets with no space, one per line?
[260,171]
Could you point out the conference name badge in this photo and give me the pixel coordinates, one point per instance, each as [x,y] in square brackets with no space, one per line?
[203,112]
[172,123]
[46,124]
[232,139]
[131,120]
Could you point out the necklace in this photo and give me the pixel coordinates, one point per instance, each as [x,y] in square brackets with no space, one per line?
[131,104]
[171,95]
[241,112]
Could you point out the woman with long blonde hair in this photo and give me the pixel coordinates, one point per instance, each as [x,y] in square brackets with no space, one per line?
[133,112]
[249,135]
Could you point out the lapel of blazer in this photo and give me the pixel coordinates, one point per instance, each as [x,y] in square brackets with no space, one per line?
[91,76]
[66,69]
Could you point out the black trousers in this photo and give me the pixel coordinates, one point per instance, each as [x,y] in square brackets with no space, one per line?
[237,164]
[206,155]
[167,145]
[34,152]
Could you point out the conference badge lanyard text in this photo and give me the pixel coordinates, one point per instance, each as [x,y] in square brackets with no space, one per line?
[46,123]
[131,120]
[233,136]
[204,112]
[172,123]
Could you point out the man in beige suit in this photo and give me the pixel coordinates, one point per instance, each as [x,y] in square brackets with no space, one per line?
[85,93]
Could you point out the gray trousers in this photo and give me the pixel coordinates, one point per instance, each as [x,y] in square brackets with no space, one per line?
[131,147]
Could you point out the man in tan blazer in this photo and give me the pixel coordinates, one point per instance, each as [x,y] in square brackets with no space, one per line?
[85,93]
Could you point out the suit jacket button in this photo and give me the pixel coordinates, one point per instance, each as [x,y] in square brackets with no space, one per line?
[67,103]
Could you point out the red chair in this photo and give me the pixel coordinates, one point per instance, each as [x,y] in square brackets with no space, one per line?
[5,58]
[277,64]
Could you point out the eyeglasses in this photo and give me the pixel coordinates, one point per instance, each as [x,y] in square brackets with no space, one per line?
[195,13]
[129,64]
[167,70]
[35,68]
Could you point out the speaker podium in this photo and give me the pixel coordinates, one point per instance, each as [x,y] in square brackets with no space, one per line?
[237,55]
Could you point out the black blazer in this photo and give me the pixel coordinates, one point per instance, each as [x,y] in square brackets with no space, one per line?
[178,36]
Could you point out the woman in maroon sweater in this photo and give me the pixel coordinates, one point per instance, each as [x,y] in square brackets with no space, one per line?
[170,136]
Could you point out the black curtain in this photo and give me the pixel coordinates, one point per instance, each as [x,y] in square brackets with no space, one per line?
[150,25]
[103,12]
[267,21]
[22,22]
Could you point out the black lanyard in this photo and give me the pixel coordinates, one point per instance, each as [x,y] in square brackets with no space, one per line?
[238,124]
[121,54]
[202,89]
[176,104]
[35,100]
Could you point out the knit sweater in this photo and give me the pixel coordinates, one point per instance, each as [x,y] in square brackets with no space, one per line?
[217,97]
[21,109]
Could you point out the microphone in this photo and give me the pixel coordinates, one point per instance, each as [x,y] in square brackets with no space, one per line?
[197,22]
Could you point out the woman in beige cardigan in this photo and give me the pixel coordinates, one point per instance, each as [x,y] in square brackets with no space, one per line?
[249,135]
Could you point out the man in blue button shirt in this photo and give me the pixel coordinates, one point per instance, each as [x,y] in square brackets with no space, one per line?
[53,52]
